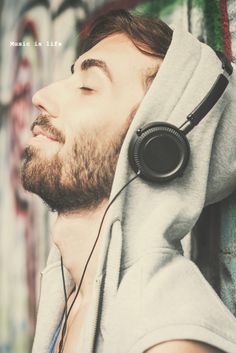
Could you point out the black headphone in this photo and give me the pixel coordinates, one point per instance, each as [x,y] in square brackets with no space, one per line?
[160,151]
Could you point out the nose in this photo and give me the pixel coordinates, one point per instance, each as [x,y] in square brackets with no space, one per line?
[47,99]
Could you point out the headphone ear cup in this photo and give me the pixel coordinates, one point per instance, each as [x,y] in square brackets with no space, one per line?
[159,151]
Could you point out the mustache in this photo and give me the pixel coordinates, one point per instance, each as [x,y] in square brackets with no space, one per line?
[44,121]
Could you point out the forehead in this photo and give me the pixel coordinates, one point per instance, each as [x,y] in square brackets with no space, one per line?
[121,56]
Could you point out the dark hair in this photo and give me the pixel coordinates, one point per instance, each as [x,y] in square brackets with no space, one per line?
[149,34]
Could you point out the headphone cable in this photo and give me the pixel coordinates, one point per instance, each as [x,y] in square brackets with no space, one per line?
[64,328]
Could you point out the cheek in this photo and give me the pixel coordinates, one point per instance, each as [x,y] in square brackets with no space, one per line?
[100,115]
[128,98]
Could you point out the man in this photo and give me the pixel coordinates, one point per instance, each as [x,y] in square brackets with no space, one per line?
[138,292]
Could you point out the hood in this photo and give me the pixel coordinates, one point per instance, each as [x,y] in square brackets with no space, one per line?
[167,212]
[141,247]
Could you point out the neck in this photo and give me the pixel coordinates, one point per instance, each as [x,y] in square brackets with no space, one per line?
[74,234]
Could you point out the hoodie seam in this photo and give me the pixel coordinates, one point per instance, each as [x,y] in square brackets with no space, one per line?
[188,325]
[158,249]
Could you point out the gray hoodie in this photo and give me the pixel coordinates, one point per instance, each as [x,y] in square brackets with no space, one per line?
[146,291]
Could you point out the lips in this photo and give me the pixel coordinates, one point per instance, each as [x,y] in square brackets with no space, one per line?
[38,130]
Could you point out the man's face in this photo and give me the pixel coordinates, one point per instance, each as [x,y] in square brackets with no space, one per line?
[71,160]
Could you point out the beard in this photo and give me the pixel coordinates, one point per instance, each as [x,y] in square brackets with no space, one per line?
[80,180]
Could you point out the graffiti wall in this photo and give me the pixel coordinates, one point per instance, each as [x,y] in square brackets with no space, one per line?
[51,27]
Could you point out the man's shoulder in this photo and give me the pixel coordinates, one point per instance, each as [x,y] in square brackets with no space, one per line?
[183,346]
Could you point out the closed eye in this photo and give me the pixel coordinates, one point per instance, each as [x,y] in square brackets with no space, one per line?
[86,88]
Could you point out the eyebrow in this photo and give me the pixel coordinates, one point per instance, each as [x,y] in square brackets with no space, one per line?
[89,63]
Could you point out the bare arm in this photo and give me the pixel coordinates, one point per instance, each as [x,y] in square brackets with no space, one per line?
[183,346]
